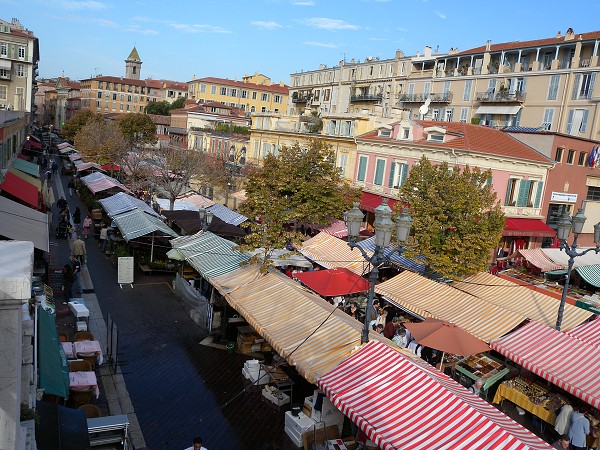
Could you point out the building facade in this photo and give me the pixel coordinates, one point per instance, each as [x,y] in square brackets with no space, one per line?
[254,93]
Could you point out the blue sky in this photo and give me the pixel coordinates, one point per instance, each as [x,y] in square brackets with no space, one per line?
[228,38]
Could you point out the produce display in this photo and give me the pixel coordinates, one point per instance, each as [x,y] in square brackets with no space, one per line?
[538,394]
[481,366]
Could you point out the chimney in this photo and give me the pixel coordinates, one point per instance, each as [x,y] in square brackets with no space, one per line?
[558,34]
[427,51]
[488,45]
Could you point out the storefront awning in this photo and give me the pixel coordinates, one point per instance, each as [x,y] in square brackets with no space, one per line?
[522,300]
[31,180]
[136,223]
[28,167]
[560,257]
[331,252]
[21,223]
[189,222]
[368,201]
[209,254]
[588,332]
[227,215]
[557,357]
[29,144]
[423,297]
[105,185]
[490,109]
[21,189]
[527,227]
[53,368]
[88,166]
[538,258]
[60,427]
[333,282]
[403,403]
[122,202]
[395,257]
[590,274]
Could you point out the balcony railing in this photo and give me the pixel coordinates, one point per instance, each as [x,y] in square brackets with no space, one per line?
[484,97]
[301,99]
[445,97]
[366,98]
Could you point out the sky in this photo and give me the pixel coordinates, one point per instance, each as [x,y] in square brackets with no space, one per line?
[183,39]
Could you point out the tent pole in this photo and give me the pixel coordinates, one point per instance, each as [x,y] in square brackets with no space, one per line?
[152,249]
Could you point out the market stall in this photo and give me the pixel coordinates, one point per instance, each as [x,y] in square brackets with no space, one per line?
[484,366]
[331,252]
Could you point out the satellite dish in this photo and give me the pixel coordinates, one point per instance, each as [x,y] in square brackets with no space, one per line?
[424,108]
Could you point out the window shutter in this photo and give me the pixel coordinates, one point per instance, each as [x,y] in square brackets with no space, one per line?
[569,121]
[538,195]
[404,174]
[392,170]
[584,120]
[592,81]
[523,193]
[524,85]
[362,168]
[379,172]
[509,191]
[576,86]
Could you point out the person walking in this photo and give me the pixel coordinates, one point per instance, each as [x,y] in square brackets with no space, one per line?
[76,273]
[578,429]
[103,237]
[79,250]
[87,226]
[71,187]
[77,218]
[196,444]
[68,279]
[49,175]
[54,167]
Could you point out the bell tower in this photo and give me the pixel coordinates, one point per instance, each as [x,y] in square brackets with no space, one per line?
[133,65]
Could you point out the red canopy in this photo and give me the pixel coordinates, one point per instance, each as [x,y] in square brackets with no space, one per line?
[369,202]
[21,189]
[527,227]
[332,282]
[32,144]
[111,167]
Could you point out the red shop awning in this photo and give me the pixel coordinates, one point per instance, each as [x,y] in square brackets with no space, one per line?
[332,282]
[21,189]
[588,332]
[403,403]
[368,201]
[563,360]
[527,227]
[32,144]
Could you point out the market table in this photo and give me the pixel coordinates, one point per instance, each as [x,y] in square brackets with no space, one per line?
[488,368]
[520,399]
[84,380]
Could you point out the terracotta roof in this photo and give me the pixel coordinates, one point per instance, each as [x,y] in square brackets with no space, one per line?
[259,87]
[156,84]
[120,80]
[473,138]
[534,43]
[163,120]
[27,34]
[177,85]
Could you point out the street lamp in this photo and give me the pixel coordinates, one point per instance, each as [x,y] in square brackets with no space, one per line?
[565,225]
[206,218]
[383,225]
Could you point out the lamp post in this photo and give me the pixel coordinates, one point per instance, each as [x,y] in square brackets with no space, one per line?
[384,225]
[206,218]
[565,225]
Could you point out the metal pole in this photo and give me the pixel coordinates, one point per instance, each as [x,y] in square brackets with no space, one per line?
[563,298]
[374,274]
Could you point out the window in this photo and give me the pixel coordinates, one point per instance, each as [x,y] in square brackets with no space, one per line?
[258,123]
[511,192]
[555,212]
[202,88]
[127,106]
[256,147]
[570,156]
[582,158]
[254,95]
[553,87]
[405,133]
[326,95]
[98,104]
[379,171]
[593,193]
[467,91]
[4,73]
[559,154]
[129,98]
[244,93]
[362,168]
[263,109]
[343,163]
[213,90]
[435,137]
[347,128]
[264,97]
[449,114]
[223,91]
[20,70]
[384,133]
[583,86]
[435,114]
[464,112]
[21,52]
[426,90]
[411,89]
[529,193]
[265,150]
[3,92]
[234,92]
[3,49]
[99,94]
[548,116]
[277,98]
[577,121]
[398,173]
[114,96]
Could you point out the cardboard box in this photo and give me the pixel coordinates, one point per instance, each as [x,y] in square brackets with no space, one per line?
[279,398]
[335,444]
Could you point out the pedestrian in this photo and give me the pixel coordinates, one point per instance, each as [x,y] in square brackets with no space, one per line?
[103,237]
[79,249]
[563,443]
[68,279]
[76,271]
[54,167]
[71,187]
[476,387]
[49,175]
[578,429]
[197,444]
[43,162]
[77,218]
[61,203]
[87,226]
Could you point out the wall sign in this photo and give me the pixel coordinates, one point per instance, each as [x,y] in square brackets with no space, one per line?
[563,197]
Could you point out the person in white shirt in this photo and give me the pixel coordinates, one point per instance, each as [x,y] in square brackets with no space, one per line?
[197,444]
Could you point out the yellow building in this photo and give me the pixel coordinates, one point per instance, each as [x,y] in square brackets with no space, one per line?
[254,93]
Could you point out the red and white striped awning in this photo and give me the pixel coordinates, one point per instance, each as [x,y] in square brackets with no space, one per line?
[337,228]
[539,259]
[557,357]
[588,332]
[404,404]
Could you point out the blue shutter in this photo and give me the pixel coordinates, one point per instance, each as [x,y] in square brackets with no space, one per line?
[575,86]
[584,120]
[379,167]
[524,86]
[523,193]
[392,170]
[591,87]
[362,168]
[538,195]
[404,174]
[569,121]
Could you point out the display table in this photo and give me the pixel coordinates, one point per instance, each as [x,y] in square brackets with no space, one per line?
[518,398]
[489,369]
[88,347]
[84,380]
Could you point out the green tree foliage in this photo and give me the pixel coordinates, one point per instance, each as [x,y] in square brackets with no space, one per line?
[179,103]
[231,128]
[158,108]
[138,129]
[298,185]
[101,141]
[457,217]
[78,121]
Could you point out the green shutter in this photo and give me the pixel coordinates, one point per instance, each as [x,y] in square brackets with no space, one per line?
[404,174]
[392,170]
[379,167]
[509,192]
[538,195]
[362,168]
[489,181]
[523,193]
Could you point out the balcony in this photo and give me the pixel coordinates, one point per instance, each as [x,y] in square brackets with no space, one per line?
[301,99]
[500,97]
[366,98]
[445,97]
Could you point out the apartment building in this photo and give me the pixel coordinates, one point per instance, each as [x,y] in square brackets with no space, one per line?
[255,93]
[19,56]
[546,83]
[58,101]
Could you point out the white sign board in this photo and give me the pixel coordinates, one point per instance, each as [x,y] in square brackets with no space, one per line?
[125,270]
[563,197]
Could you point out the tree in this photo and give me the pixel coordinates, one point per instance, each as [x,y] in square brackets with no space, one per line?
[158,108]
[101,141]
[179,103]
[457,217]
[138,129]
[81,118]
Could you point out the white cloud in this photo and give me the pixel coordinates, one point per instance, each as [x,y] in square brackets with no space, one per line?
[308,3]
[377,39]
[105,23]
[138,29]
[439,14]
[198,28]
[81,4]
[330,24]
[321,44]
[404,30]
[266,25]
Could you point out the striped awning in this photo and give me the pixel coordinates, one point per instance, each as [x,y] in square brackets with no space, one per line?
[522,300]
[105,185]
[557,357]
[209,254]
[560,257]
[179,205]
[122,202]
[308,331]
[232,281]
[31,180]
[97,176]
[198,200]
[227,215]
[27,167]
[403,403]
[395,257]
[136,223]
[336,228]
[75,157]
[539,259]
[590,274]
[427,298]
[588,332]
[331,252]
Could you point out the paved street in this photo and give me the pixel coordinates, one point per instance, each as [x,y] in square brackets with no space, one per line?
[177,386]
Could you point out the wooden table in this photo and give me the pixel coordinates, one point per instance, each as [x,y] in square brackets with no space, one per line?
[84,380]
[521,400]
[488,379]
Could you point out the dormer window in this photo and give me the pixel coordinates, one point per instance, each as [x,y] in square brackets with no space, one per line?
[435,137]
[385,133]
[405,133]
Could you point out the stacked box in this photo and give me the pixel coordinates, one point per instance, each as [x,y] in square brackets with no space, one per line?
[296,426]
[249,341]
[251,371]
[277,397]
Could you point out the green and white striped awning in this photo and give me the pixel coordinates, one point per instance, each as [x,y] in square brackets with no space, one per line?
[209,254]
[136,223]
[590,274]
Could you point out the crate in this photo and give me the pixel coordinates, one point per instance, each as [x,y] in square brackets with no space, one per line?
[277,397]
